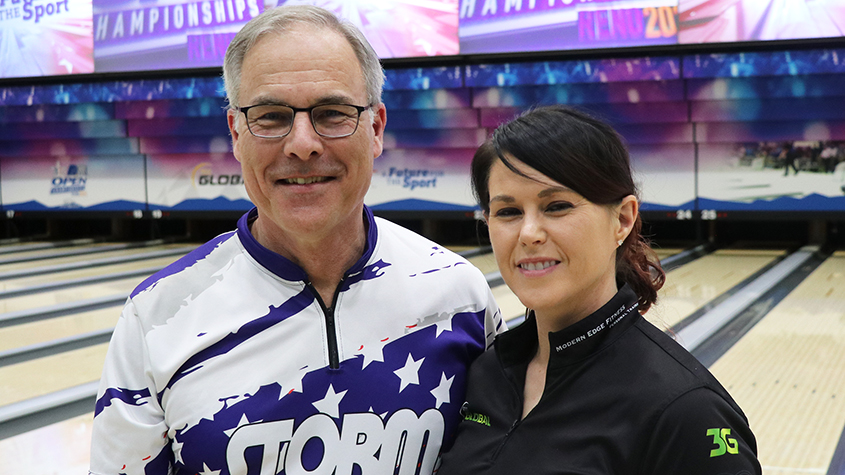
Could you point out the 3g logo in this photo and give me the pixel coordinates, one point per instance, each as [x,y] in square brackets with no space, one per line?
[724,444]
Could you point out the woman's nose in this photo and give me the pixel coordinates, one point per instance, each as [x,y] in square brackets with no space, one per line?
[532,231]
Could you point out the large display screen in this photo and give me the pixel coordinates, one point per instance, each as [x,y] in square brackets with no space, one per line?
[497,26]
[58,37]
[131,35]
[45,38]
[723,21]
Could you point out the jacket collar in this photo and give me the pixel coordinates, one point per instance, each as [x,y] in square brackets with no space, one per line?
[283,267]
[575,342]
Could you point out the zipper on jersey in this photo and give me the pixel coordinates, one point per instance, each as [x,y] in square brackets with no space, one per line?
[331,331]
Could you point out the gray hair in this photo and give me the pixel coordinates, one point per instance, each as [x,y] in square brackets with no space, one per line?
[278,20]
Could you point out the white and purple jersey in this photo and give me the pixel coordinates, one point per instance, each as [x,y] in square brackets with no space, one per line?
[227,362]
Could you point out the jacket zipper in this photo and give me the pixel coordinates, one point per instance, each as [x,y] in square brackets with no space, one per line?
[515,423]
[331,332]
[505,439]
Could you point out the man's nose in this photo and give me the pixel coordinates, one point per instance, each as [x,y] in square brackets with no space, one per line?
[303,142]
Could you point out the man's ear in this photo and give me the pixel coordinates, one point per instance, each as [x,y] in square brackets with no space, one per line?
[232,120]
[379,112]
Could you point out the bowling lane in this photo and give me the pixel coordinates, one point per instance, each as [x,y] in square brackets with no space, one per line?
[509,304]
[696,283]
[70,294]
[486,263]
[88,257]
[24,282]
[62,448]
[663,253]
[22,381]
[19,336]
[40,254]
[787,374]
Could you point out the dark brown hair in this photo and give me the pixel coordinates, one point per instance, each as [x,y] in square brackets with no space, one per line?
[585,155]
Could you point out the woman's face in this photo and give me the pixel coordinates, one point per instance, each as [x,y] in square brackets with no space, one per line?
[555,249]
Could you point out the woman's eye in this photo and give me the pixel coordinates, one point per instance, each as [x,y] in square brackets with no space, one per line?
[506,212]
[558,206]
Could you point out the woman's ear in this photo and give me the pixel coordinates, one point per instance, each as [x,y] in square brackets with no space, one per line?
[626,214]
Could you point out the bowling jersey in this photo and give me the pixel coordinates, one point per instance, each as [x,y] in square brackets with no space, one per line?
[228,361]
[620,397]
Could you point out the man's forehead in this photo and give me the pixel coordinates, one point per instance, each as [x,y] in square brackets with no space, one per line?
[306,56]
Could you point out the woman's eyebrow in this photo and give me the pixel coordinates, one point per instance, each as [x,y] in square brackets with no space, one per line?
[553,190]
[503,198]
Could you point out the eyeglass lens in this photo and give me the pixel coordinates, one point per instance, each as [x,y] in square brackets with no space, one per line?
[333,120]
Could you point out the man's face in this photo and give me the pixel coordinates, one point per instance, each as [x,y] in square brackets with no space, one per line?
[304,184]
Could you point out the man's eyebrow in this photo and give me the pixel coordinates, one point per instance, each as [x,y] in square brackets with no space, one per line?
[330,99]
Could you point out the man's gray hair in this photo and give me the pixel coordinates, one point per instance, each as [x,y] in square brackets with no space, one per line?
[280,19]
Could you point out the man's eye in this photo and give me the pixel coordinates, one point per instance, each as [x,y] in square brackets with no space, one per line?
[273,117]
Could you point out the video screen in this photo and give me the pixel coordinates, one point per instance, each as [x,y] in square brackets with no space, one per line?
[135,35]
[723,21]
[60,37]
[502,26]
[397,28]
[45,38]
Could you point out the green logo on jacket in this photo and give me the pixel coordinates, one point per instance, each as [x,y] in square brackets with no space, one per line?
[724,443]
[475,417]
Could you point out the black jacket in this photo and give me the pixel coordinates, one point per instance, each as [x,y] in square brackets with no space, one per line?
[621,397]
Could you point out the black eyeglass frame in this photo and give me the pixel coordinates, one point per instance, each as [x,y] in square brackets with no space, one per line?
[360,110]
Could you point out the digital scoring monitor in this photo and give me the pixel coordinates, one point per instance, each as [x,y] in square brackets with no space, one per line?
[137,35]
[45,38]
[725,21]
[504,26]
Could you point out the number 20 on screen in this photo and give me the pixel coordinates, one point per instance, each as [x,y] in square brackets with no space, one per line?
[660,22]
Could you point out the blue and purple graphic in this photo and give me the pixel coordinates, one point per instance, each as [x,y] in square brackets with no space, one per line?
[89,183]
[132,35]
[422,180]
[196,182]
[499,26]
[398,28]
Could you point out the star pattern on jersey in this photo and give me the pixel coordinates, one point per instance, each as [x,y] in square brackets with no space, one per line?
[208,471]
[441,392]
[330,404]
[243,422]
[373,352]
[410,373]
[295,383]
[425,381]
[176,446]
[442,326]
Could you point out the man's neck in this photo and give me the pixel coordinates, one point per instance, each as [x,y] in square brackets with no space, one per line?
[323,257]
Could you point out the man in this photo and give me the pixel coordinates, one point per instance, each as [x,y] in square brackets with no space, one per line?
[314,338]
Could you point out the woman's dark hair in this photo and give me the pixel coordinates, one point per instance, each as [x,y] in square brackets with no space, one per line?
[585,155]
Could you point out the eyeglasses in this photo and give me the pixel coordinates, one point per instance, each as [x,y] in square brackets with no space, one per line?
[329,120]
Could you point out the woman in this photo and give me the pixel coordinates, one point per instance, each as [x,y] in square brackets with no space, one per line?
[585,385]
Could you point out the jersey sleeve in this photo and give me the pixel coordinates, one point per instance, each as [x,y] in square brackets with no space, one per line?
[493,322]
[129,433]
[700,433]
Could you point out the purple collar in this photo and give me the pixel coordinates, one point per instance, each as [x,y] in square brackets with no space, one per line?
[286,269]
